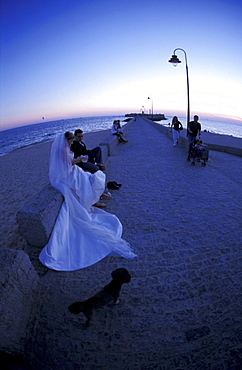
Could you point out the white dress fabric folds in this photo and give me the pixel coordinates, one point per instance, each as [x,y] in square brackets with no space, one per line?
[82,235]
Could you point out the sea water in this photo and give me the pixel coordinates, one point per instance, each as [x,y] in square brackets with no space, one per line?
[25,136]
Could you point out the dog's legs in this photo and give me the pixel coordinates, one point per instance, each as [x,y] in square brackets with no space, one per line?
[115,300]
[90,316]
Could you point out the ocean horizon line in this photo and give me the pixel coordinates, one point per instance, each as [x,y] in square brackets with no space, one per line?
[206,116]
[26,136]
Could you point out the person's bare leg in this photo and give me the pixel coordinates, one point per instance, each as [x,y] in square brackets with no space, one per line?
[99,204]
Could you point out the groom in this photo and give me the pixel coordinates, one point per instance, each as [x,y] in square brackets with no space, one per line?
[94,155]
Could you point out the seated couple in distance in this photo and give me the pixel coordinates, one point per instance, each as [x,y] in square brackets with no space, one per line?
[116,130]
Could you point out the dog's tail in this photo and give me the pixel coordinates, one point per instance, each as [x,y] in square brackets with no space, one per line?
[76,307]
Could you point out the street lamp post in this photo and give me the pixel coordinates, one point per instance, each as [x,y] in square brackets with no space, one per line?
[174,60]
[151,106]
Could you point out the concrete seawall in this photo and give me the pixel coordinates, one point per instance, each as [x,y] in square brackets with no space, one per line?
[221,143]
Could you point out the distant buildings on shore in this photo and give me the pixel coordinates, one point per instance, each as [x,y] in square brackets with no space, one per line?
[153,117]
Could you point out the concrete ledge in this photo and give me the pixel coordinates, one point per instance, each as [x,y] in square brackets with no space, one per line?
[221,143]
[19,282]
[37,217]
[104,150]
[183,141]
[225,149]
[111,141]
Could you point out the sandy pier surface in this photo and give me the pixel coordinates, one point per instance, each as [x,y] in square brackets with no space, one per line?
[24,173]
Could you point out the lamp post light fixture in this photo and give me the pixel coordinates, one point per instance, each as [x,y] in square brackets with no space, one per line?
[175,61]
[151,106]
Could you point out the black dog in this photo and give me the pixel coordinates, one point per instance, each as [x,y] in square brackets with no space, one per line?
[109,294]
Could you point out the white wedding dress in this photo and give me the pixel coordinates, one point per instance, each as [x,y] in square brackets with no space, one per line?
[82,235]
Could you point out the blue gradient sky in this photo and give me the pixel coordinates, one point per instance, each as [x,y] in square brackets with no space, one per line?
[71,58]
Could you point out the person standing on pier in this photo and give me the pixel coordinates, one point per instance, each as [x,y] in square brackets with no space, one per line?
[176,127]
[194,128]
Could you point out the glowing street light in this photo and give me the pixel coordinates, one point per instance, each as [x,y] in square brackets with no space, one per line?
[175,61]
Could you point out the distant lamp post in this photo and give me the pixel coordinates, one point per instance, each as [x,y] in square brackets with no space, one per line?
[151,106]
[175,61]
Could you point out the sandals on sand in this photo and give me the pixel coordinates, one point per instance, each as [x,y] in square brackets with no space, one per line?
[113,185]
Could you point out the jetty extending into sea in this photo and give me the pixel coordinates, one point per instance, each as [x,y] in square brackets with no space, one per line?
[181,309]
[153,117]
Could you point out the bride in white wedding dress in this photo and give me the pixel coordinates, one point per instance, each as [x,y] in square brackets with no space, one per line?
[83,234]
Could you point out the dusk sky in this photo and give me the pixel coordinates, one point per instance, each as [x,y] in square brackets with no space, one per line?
[72,58]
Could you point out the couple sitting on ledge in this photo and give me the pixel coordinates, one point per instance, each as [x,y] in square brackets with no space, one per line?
[82,234]
[88,160]
[116,130]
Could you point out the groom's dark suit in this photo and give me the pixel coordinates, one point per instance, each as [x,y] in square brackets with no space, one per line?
[94,155]
[79,148]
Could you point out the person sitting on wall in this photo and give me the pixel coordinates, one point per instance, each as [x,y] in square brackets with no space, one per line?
[116,130]
[78,147]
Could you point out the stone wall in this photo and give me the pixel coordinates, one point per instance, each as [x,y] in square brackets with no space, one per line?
[37,217]
[19,282]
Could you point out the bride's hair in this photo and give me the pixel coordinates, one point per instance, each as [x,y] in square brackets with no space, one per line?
[69,135]
[60,161]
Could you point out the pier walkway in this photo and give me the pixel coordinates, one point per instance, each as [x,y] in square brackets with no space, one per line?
[182,307]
